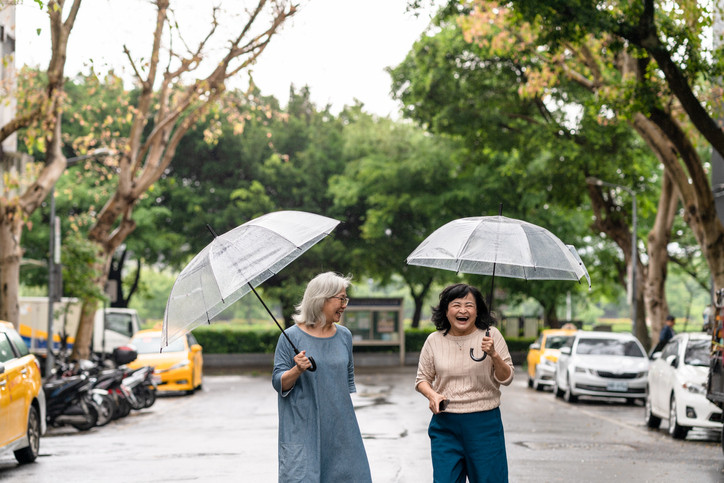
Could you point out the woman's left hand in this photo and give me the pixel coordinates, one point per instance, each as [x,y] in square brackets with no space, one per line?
[487,345]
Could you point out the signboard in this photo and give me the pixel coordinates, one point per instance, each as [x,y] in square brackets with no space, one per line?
[376,321]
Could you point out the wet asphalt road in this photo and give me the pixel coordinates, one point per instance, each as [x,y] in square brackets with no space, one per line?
[227,432]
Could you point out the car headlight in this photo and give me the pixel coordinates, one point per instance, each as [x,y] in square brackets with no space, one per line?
[179,365]
[582,370]
[694,388]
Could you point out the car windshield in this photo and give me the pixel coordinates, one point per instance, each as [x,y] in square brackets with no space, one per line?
[119,322]
[557,341]
[697,353]
[151,344]
[608,347]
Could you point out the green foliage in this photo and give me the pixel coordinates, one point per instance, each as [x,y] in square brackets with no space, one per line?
[80,269]
[228,339]
[233,339]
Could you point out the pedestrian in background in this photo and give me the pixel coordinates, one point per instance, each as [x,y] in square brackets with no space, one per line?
[319,437]
[466,429]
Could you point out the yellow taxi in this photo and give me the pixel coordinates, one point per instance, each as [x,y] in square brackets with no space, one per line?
[22,400]
[543,355]
[179,367]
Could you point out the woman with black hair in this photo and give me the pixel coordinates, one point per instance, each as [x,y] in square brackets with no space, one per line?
[466,429]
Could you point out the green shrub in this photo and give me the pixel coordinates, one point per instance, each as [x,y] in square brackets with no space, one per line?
[233,339]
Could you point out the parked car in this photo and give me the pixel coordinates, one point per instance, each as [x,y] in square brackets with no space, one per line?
[543,355]
[608,364]
[677,386]
[22,400]
[180,365]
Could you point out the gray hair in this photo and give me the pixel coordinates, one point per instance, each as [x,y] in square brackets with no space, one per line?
[319,289]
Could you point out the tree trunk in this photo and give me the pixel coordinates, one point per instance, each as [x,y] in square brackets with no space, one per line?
[17,205]
[10,230]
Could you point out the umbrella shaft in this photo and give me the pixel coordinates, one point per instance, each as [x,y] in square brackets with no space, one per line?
[296,351]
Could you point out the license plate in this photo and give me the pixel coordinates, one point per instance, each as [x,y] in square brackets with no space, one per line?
[617,386]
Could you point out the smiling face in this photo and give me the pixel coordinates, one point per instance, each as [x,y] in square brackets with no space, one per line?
[334,307]
[461,313]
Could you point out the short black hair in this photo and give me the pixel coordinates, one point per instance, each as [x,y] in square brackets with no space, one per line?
[669,317]
[459,290]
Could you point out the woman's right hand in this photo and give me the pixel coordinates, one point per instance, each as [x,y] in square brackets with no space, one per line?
[435,400]
[302,361]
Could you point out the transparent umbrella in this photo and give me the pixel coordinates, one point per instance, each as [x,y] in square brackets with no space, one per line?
[496,245]
[236,262]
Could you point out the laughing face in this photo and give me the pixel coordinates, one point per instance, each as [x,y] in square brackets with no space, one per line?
[334,307]
[461,313]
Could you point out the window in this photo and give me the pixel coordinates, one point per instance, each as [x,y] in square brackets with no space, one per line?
[6,350]
[697,353]
[557,341]
[670,349]
[608,347]
[120,323]
[148,344]
[19,344]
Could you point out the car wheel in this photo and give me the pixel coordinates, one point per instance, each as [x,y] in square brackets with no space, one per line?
[30,452]
[536,382]
[675,430]
[652,421]
[556,390]
[568,395]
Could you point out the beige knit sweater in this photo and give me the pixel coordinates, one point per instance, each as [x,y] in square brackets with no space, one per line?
[470,386]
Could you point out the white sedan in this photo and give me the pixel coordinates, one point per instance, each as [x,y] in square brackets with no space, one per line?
[677,386]
[607,364]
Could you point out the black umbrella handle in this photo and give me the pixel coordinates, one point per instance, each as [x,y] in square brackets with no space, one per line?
[311,359]
[485,354]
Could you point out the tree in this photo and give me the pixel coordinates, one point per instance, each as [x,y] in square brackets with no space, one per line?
[399,185]
[39,109]
[176,89]
[521,147]
[647,63]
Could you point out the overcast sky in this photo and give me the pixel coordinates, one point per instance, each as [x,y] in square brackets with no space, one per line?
[339,48]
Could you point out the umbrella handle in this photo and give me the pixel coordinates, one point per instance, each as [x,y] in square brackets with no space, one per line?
[311,359]
[485,354]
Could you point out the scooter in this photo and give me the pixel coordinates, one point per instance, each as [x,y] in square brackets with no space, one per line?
[69,400]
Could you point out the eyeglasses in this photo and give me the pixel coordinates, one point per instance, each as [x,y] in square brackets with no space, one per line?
[342,298]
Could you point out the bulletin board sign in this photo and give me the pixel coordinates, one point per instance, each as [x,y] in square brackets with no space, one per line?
[376,321]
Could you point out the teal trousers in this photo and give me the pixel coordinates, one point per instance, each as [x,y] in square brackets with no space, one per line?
[468,446]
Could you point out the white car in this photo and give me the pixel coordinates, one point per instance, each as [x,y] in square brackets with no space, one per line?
[607,364]
[677,386]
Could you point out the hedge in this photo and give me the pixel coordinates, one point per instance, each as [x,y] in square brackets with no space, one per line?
[228,339]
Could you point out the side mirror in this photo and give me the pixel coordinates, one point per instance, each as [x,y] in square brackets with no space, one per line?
[656,355]
[196,348]
[534,347]
[2,368]
[673,361]
[566,351]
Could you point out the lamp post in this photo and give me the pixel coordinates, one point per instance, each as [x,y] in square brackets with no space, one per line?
[634,250]
[55,287]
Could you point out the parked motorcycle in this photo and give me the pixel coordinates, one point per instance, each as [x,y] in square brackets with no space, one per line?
[69,400]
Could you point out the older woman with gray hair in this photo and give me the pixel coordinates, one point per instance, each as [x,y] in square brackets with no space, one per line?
[319,438]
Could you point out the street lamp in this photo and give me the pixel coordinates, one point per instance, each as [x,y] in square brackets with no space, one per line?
[55,290]
[634,252]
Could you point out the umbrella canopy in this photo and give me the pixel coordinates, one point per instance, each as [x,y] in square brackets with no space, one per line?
[237,261]
[496,245]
